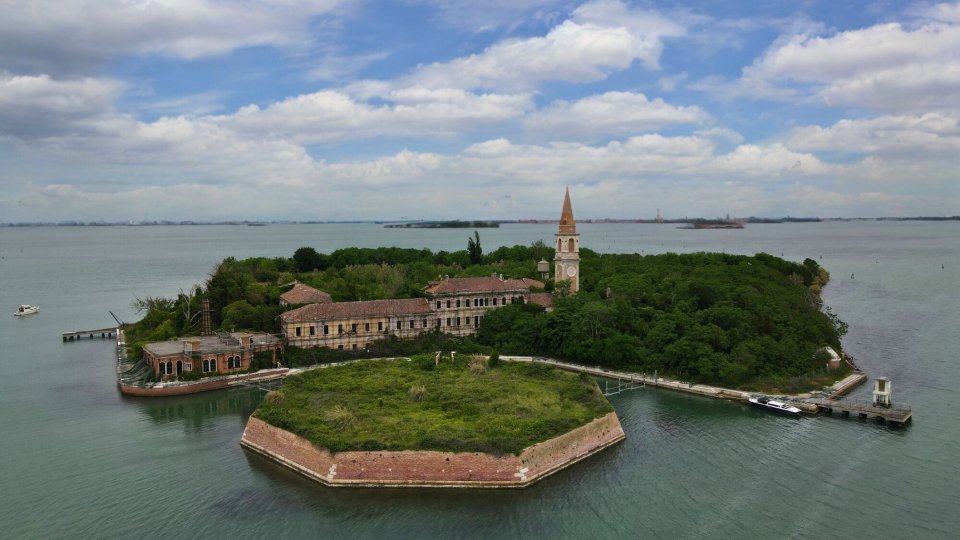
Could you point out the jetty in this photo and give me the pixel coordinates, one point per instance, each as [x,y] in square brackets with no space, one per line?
[100,333]
[865,409]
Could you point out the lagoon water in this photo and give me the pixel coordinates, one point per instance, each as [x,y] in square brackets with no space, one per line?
[77,459]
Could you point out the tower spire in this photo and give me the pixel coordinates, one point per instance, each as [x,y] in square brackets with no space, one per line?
[567,224]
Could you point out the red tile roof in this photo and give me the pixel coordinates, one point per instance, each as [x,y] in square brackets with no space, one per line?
[480,285]
[366,308]
[305,294]
[544,299]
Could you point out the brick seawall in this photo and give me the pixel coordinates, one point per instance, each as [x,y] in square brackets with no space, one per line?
[431,468]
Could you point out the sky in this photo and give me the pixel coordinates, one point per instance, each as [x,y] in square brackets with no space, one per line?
[213,110]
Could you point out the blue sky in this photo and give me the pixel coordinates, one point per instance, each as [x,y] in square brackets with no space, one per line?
[333,110]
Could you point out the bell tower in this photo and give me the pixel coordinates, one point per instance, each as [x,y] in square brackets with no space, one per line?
[567,260]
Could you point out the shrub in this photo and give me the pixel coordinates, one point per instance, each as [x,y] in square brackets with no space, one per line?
[275,397]
[340,417]
[417,392]
[494,359]
[478,365]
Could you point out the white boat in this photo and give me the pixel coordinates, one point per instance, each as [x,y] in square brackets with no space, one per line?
[779,406]
[25,309]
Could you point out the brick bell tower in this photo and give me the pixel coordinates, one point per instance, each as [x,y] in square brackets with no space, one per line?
[567,260]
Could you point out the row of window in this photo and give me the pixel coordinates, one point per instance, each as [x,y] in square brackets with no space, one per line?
[451,321]
[479,302]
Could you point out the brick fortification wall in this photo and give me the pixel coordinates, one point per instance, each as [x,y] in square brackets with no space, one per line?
[429,468]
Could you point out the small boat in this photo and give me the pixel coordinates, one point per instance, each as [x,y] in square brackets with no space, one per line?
[25,309]
[779,406]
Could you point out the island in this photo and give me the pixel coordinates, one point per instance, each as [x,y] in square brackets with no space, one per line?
[432,421]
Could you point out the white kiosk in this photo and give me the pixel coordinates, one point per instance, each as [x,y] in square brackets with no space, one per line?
[881,392]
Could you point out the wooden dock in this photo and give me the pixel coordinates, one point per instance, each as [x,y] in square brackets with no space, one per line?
[864,410]
[102,333]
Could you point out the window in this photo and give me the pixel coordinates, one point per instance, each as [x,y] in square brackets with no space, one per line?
[476,320]
[486,302]
[467,321]
[188,366]
[229,362]
[438,323]
[494,301]
[326,330]
[399,325]
[504,301]
[366,327]
[353,327]
[424,322]
[449,320]
[458,321]
[476,302]
[570,246]
[448,304]
[169,368]
[313,330]
[559,244]
[296,332]
[458,302]
[380,326]
[163,368]
[354,346]
[438,304]
[213,364]
[339,347]
[412,323]
[339,328]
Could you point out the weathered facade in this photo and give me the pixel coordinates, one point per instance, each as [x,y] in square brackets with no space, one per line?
[223,353]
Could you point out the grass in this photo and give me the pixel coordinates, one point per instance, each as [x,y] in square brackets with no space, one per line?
[413,405]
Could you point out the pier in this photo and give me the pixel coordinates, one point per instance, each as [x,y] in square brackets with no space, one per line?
[102,333]
[864,410]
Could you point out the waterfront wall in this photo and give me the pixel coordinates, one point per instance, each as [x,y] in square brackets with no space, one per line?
[192,387]
[431,468]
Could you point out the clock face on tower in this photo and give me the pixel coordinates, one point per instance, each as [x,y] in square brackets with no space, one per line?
[571,271]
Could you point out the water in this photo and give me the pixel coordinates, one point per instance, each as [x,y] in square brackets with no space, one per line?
[80,460]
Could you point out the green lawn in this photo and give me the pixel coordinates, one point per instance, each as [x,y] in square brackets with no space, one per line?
[412,405]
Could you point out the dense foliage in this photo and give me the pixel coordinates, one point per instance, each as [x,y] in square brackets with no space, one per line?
[713,318]
[461,405]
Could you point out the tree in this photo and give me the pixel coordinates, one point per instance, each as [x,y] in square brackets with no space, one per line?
[306,259]
[474,250]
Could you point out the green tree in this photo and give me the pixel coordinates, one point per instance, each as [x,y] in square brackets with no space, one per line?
[306,259]
[473,248]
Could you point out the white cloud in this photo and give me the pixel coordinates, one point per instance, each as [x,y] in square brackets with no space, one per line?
[74,35]
[37,106]
[612,113]
[885,66]
[411,111]
[911,136]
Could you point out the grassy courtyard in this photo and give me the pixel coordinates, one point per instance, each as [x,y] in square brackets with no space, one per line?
[465,405]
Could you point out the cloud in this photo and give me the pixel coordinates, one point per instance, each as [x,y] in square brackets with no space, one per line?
[411,111]
[75,36]
[910,136]
[37,106]
[886,67]
[611,113]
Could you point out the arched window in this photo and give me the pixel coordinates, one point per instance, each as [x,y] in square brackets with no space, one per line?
[213,364]
[163,368]
[559,244]
[570,245]
[206,366]
[169,368]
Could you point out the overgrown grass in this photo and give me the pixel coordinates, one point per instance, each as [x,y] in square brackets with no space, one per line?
[413,405]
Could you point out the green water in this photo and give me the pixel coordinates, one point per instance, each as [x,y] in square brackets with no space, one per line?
[79,460]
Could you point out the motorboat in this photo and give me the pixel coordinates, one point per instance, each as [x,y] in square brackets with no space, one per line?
[766,403]
[25,309]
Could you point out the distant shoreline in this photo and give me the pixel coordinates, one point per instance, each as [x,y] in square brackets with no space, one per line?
[438,224]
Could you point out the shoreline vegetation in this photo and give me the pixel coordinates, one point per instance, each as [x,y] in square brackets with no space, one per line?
[460,404]
[743,322]
[455,224]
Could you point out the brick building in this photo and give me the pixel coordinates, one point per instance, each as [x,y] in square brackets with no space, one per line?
[223,353]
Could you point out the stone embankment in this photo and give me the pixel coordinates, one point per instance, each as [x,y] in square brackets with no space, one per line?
[842,387]
[431,468]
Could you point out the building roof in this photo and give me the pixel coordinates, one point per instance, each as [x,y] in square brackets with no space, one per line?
[567,224]
[365,308]
[544,299]
[474,285]
[305,294]
[208,344]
